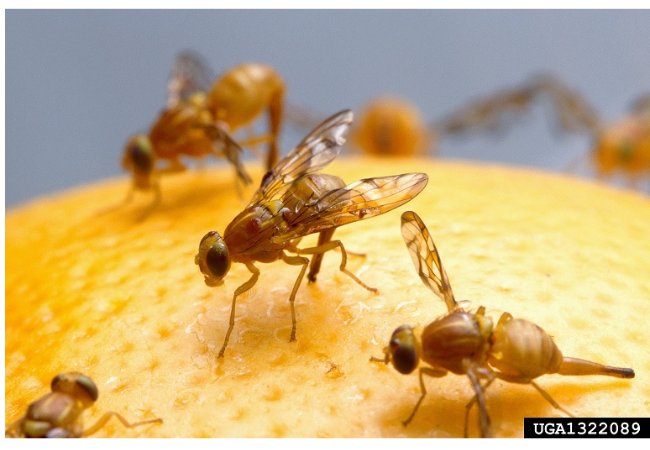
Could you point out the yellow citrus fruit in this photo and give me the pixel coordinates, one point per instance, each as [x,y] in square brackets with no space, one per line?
[122,301]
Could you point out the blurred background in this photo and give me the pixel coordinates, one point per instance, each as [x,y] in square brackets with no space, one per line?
[78,84]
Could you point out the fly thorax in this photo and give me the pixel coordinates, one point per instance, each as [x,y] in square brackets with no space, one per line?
[55,408]
[248,235]
[245,226]
[307,190]
[459,336]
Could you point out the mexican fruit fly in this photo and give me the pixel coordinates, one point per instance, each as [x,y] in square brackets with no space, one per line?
[58,414]
[465,343]
[294,201]
[179,131]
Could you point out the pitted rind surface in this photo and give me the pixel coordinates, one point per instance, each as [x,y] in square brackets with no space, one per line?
[123,302]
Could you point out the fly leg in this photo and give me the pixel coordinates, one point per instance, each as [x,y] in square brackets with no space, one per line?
[295,261]
[240,290]
[175,166]
[543,393]
[331,245]
[314,267]
[432,372]
[156,200]
[275,120]
[323,238]
[106,417]
[253,141]
[479,397]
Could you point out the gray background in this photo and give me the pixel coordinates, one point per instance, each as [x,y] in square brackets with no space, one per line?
[79,83]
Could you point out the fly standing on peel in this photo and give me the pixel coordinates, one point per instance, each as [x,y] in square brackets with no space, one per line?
[294,201]
[58,414]
[201,121]
[466,343]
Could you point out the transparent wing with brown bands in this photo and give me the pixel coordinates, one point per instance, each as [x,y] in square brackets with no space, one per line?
[190,74]
[231,150]
[316,151]
[491,113]
[360,200]
[424,254]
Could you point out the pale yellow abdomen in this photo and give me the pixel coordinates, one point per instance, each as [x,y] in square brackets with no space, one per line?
[524,350]
[243,93]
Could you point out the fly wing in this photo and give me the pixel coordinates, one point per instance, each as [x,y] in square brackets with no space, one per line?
[499,110]
[315,151]
[190,74]
[360,200]
[426,258]
[230,149]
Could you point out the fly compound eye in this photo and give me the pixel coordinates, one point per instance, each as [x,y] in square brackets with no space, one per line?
[75,384]
[142,155]
[404,350]
[88,386]
[213,258]
[139,155]
[218,260]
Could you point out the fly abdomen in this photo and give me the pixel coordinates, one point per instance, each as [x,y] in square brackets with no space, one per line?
[524,350]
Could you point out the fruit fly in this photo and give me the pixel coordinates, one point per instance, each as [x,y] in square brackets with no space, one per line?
[199,122]
[622,146]
[58,414]
[294,201]
[179,131]
[465,343]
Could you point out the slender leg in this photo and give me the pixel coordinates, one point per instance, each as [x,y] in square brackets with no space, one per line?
[432,372]
[106,417]
[275,120]
[240,290]
[550,399]
[295,261]
[344,258]
[484,419]
[314,267]
[255,140]
[154,203]
[253,148]
[523,380]
[385,359]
